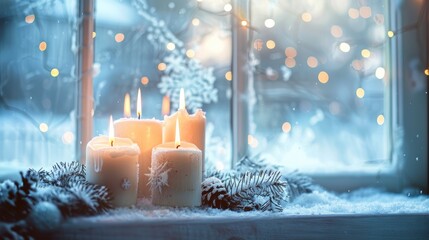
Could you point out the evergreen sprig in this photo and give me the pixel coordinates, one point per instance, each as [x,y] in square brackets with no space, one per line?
[247,189]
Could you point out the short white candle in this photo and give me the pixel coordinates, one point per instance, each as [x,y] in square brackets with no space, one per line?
[113,162]
[176,174]
[146,133]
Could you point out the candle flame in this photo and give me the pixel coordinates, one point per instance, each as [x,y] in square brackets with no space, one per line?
[111,132]
[177,140]
[165,106]
[182,104]
[139,104]
[127,106]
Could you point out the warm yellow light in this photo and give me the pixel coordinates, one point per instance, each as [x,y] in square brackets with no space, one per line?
[111,132]
[290,52]
[162,66]
[269,23]
[190,53]
[345,47]
[227,7]
[55,72]
[67,137]
[360,92]
[427,71]
[312,62]
[365,53]
[323,77]
[306,17]
[30,18]
[365,12]
[252,141]
[94,34]
[290,62]
[380,119]
[119,37]
[171,46]
[165,110]
[127,106]
[380,73]
[139,104]
[244,23]
[182,103]
[195,21]
[228,75]
[336,31]
[286,127]
[144,80]
[353,13]
[271,44]
[43,127]
[42,46]
[177,137]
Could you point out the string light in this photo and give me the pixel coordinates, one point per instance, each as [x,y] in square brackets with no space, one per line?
[227,7]
[365,53]
[306,17]
[344,47]
[271,44]
[323,77]
[30,19]
[190,53]
[380,119]
[269,23]
[144,80]
[228,75]
[42,46]
[55,72]
[162,66]
[43,127]
[119,37]
[380,73]
[360,93]
[195,21]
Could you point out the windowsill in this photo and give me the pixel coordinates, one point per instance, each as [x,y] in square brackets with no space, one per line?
[386,226]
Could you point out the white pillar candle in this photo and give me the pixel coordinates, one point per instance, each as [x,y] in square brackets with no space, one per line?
[192,127]
[113,162]
[176,174]
[146,133]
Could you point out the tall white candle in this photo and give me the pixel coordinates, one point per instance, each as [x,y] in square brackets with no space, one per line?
[176,174]
[146,133]
[113,162]
[192,127]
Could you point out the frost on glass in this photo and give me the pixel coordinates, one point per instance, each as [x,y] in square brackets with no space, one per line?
[160,47]
[320,71]
[37,82]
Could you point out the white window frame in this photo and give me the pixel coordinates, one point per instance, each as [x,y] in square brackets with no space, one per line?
[402,120]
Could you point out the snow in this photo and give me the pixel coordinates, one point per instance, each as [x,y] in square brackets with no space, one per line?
[319,202]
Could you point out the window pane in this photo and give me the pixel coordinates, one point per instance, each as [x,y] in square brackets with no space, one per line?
[160,47]
[38,82]
[321,74]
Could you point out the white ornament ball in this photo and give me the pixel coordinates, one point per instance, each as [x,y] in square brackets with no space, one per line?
[44,217]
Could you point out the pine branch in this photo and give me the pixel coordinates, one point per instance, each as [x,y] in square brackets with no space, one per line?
[63,174]
[297,184]
[245,187]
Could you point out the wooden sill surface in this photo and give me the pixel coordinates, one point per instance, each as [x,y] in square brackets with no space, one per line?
[390,226]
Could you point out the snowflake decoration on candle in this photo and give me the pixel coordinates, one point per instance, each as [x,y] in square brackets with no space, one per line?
[158,176]
[126,184]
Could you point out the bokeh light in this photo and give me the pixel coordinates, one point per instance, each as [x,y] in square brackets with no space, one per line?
[306,17]
[30,18]
[42,46]
[312,62]
[360,93]
[190,53]
[162,66]
[344,47]
[365,12]
[227,7]
[269,23]
[286,127]
[290,52]
[336,31]
[228,75]
[119,37]
[353,13]
[55,72]
[195,21]
[380,119]
[271,44]
[170,46]
[290,62]
[144,80]
[323,77]
[43,127]
[380,73]
[365,53]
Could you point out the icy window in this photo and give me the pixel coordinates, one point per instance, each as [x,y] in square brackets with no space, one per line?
[321,72]
[160,47]
[38,82]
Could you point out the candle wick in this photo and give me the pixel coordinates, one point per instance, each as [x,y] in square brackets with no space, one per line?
[177,147]
[111,143]
[138,116]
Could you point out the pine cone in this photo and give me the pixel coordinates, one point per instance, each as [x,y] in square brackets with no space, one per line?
[214,194]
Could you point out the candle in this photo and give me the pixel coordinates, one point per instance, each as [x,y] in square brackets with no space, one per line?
[192,127]
[146,133]
[113,162]
[176,173]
